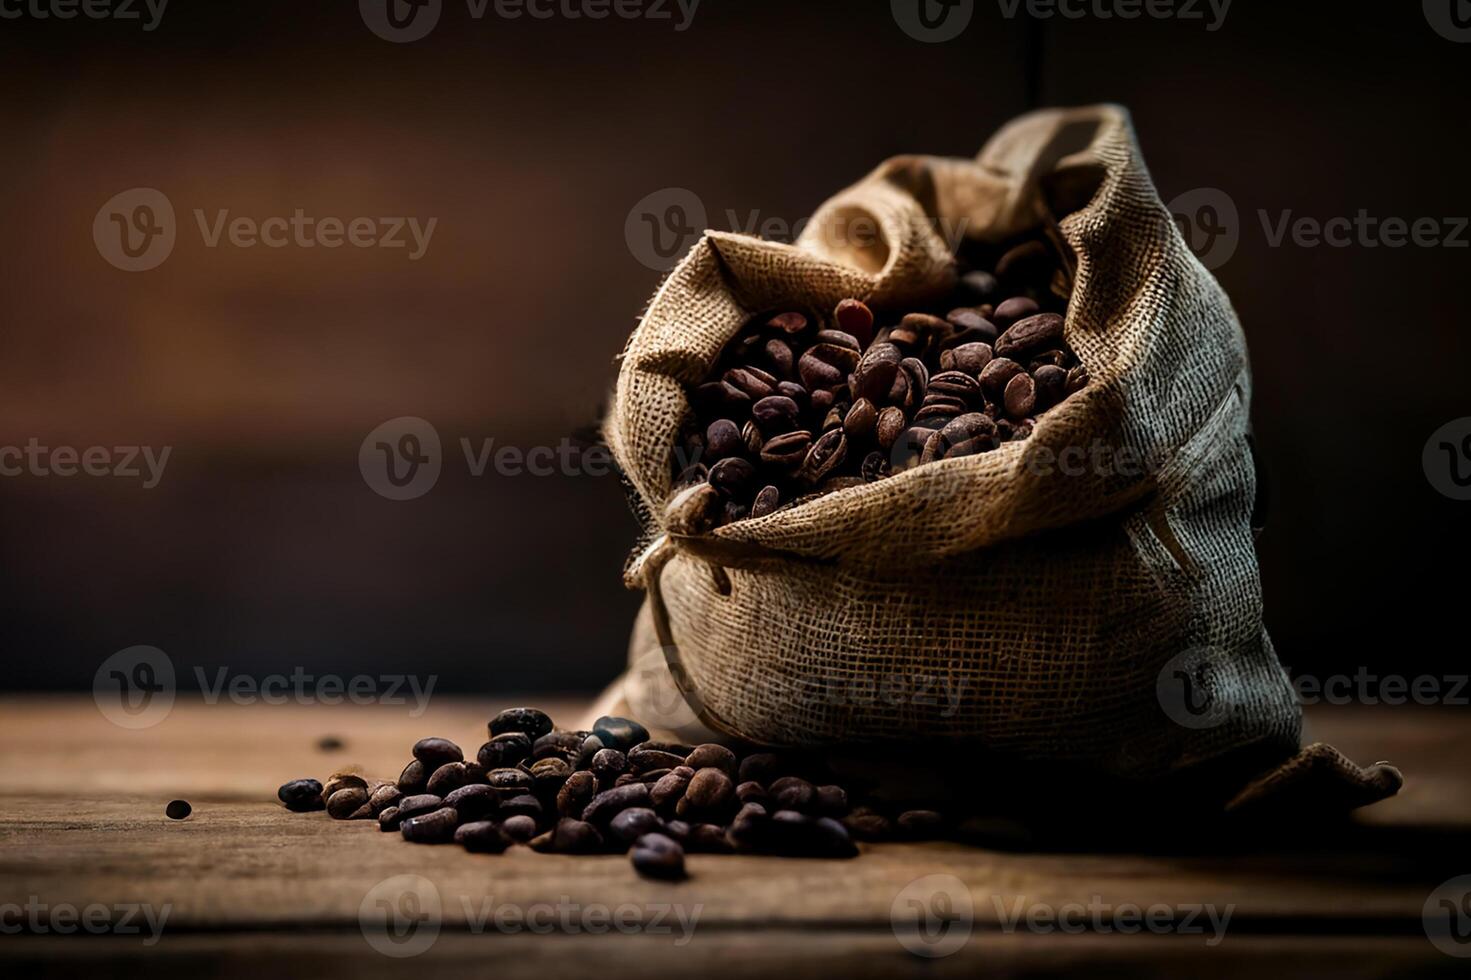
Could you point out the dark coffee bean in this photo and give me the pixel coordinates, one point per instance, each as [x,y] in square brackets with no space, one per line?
[343,780]
[968,435]
[792,793]
[710,789]
[677,831]
[673,748]
[524,805]
[575,837]
[590,747]
[788,450]
[919,824]
[923,324]
[955,384]
[1030,263]
[389,819]
[997,375]
[766,501]
[875,467]
[751,435]
[854,317]
[563,745]
[733,476]
[435,752]
[751,792]
[712,756]
[1030,335]
[619,733]
[934,446]
[838,338]
[718,398]
[421,803]
[626,778]
[653,776]
[825,366]
[969,358]
[548,775]
[916,383]
[1056,358]
[788,323]
[510,781]
[869,826]
[611,802]
[656,856]
[831,839]
[437,827]
[722,440]
[825,456]
[1022,430]
[874,376]
[760,767]
[608,765]
[474,801]
[820,401]
[384,797]
[633,823]
[750,829]
[776,414]
[642,759]
[446,779]
[891,424]
[831,801]
[576,793]
[1077,379]
[980,285]
[1051,385]
[504,751]
[301,795]
[779,357]
[532,722]
[757,384]
[178,809]
[670,788]
[706,838]
[481,837]
[860,420]
[519,828]
[834,417]
[1014,309]
[345,802]
[1021,396]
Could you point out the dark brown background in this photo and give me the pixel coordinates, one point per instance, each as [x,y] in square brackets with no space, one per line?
[530,141]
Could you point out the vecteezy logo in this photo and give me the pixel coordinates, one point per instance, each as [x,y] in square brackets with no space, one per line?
[1447,917]
[1209,223]
[1196,688]
[400,916]
[933,21]
[1450,18]
[662,226]
[1447,459]
[135,230]
[653,696]
[134,688]
[401,21]
[933,916]
[401,458]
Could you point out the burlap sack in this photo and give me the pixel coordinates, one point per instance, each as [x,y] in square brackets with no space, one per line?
[1089,597]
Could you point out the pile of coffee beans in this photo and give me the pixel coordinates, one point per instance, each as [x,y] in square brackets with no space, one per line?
[804,402]
[609,790]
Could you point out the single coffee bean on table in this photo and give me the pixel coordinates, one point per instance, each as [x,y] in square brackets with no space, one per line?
[179,809]
[302,795]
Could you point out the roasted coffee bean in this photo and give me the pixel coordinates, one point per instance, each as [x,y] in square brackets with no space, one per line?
[787,451]
[178,809]
[735,511]
[301,795]
[576,793]
[706,838]
[642,758]
[548,775]
[712,755]
[481,837]
[874,376]
[720,398]
[776,414]
[383,797]
[751,435]
[1021,396]
[757,384]
[524,805]
[838,338]
[1051,385]
[955,384]
[435,752]
[801,835]
[968,358]
[389,819]
[916,382]
[1077,379]
[677,831]
[421,803]
[968,435]
[891,423]
[875,467]
[825,366]
[980,285]
[709,789]
[631,824]
[869,826]
[530,721]
[792,793]
[670,788]
[825,456]
[997,375]
[343,780]
[572,837]
[626,778]
[345,802]
[766,501]
[510,781]
[518,828]
[611,802]
[723,439]
[779,357]
[657,856]
[820,401]
[474,801]
[1012,310]
[751,792]
[834,417]
[1030,336]
[788,323]
[446,779]
[855,318]
[590,747]
[830,801]
[1030,263]
[760,767]
[1056,358]
[861,419]
[919,824]
[608,765]
[564,745]
[437,827]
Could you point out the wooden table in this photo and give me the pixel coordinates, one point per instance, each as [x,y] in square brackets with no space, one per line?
[251,890]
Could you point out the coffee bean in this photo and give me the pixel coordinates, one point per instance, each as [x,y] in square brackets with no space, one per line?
[891,423]
[955,384]
[1014,309]
[719,398]
[301,795]
[838,338]
[709,789]
[608,765]
[343,780]
[980,285]
[670,788]
[869,826]
[826,365]
[1021,396]
[706,838]
[1077,379]
[824,457]
[1051,385]
[549,774]
[564,745]
[178,809]
[437,827]
[481,837]
[446,779]
[388,820]
[968,358]
[779,357]
[1030,263]
[576,837]
[643,758]
[345,802]
[854,317]
[787,451]
[860,420]
[766,501]
[631,824]
[792,793]
[723,439]
[776,414]
[474,801]
[519,828]
[756,384]
[530,721]
[831,801]
[607,804]
[875,373]
[421,803]
[712,755]
[875,467]
[919,824]
[788,323]
[1056,358]
[435,752]
[383,797]
[510,781]
[997,375]
[576,793]
[656,856]
[1030,335]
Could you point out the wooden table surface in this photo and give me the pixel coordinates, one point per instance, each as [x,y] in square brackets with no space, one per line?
[248,889]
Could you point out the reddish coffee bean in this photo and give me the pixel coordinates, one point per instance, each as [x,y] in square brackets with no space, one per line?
[854,317]
[1021,396]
